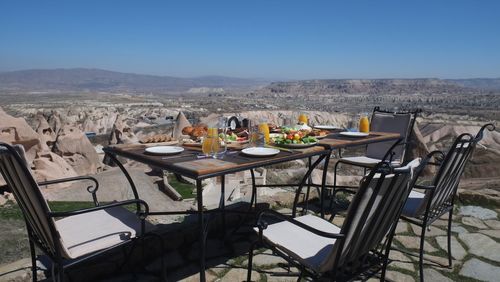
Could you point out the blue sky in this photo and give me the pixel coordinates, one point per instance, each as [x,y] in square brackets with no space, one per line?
[266,39]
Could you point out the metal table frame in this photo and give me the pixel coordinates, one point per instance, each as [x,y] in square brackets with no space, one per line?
[112,153]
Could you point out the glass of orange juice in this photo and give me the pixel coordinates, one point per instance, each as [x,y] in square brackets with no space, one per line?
[264,129]
[303,118]
[364,123]
[207,146]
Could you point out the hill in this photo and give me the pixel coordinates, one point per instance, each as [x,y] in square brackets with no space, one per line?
[95,80]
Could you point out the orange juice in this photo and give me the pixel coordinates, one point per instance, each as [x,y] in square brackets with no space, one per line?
[264,129]
[364,124]
[208,142]
[303,118]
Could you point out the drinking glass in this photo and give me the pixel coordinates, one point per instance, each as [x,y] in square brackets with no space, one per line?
[257,138]
[303,118]
[364,123]
[264,129]
[207,146]
[220,148]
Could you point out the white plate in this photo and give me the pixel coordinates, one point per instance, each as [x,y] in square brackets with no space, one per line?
[164,150]
[354,134]
[297,145]
[260,151]
[238,142]
[327,127]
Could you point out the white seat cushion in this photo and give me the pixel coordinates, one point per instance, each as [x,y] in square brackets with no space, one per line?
[305,246]
[89,232]
[364,161]
[413,206]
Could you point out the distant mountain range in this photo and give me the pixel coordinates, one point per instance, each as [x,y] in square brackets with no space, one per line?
[81,79]
[97,80]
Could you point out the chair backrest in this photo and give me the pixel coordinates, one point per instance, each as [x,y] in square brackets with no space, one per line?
[394,122]
[15,172]
[450,171]
[373,213]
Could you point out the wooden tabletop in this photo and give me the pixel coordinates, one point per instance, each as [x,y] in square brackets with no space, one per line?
[189,164]
[337,141]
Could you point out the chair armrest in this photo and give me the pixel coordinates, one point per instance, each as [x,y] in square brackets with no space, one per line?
[141,213]
[91,189]
[261,224]
[425,187]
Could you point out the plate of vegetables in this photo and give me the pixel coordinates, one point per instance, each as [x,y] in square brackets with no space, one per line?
[234,138]
[294,139]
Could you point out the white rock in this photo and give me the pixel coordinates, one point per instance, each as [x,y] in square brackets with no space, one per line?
[480,270]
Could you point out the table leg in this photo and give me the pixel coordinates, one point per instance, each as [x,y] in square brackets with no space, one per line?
[201,225]
[222,204]
[323,185]
[303,183]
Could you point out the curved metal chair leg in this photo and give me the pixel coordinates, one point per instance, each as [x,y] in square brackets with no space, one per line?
[449,238]
[250,259]
[334,184]
[33,260]
[421,257]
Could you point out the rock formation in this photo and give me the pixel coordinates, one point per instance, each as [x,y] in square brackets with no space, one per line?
[44,130]
[76,149]
[45,165]
[17,131]
[180,123]
[122,133]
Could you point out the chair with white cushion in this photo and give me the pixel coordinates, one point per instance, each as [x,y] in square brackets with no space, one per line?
[358,248]
[383,121]
[437,199]
[69,238]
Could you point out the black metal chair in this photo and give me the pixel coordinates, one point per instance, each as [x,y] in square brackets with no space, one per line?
[360,247]
[69,238]
[423,209]
[383,121]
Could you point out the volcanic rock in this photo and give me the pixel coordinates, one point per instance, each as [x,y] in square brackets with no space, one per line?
[76,149]
[122,133]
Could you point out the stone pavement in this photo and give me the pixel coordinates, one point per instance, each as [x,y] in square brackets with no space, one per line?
[475,250]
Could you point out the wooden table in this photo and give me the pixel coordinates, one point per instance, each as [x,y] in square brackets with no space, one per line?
[188,164]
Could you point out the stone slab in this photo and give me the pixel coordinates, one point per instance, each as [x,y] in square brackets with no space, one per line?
[413,242]
[239,274]
[399,260]
[433,231]
[481,245]
[395,276]
[457,250]
[474,222]
[492,223]
[434,275]
[491,233]
[478,212]
[480,270]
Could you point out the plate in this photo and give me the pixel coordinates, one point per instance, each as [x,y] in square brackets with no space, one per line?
[320,137]
[238,142]
[327,127]
[164,150]
[297,145]
[354,134]
[260,151]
